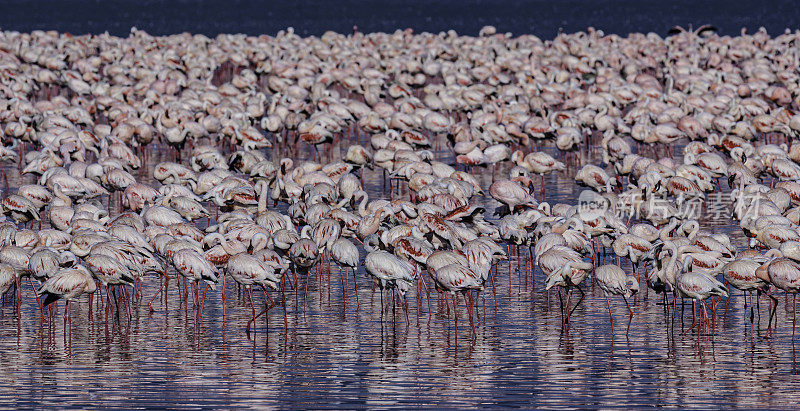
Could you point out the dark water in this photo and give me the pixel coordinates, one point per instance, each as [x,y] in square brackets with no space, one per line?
[541,17]
[344,354]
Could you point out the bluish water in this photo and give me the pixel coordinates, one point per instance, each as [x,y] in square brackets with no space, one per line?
[541,17]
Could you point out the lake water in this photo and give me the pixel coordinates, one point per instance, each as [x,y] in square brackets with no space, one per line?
[541,17]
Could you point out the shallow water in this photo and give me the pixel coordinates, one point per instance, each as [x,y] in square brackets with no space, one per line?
[345,353]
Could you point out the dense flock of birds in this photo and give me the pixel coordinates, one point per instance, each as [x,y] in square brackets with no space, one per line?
[79,115]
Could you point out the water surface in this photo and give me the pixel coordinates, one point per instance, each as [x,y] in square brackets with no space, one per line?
[543,18]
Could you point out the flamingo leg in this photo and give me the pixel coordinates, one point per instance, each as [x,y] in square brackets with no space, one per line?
[355,288]
[203,301]
[583,295]
[694,318]
[126,298]
[404,304]
[394,299]
[196,291]
[470,308]
[160,289]
[264,311]
[705,315]
[561,306]
[18,282]
[282,289]
[494,293]
[455,315]
[568,311]
[267,298]
[344,287]
[305,290]
[38,300]
[252,308]
[66,316]
[773,309]
[446,307]
[427,291]
[630,310]
[542,186]
[381,309]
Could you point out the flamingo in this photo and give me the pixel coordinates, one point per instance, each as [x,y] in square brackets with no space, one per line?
[512,194]
[539,162]
[596,178]
[221,254]
[783,273]
[304,253]
[191,265]
[249,270]
[345,254]
[67,284]
[741,274]
[631,246]
[20,208]
[387,270]
[7,278]
[613,280]
[564,267]
[19,259]
[455,278]
[110,272]
[698,286]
